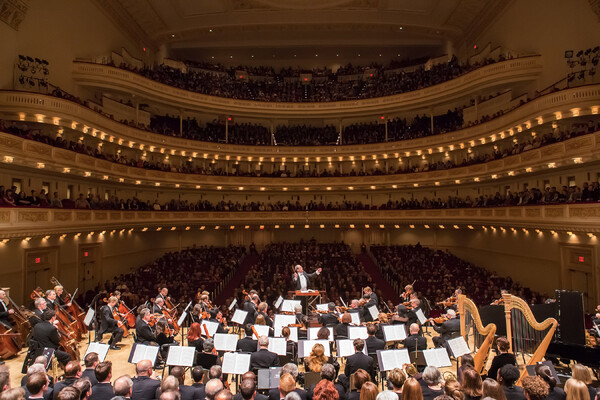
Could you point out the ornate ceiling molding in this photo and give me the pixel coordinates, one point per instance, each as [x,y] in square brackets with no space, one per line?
[12,12]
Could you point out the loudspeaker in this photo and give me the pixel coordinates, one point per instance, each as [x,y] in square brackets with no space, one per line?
[571,322]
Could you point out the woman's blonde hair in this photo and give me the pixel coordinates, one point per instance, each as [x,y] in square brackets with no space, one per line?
[317,358]
[582,373]
[576,389]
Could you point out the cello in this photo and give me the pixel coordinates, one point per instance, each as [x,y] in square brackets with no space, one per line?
[71,306]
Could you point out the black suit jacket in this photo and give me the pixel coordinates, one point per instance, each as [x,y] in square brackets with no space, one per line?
[46,335]
[102,391]
[250,307]
[220,328]
[144,388]
[90,374]
[514,393]
[275,395]
[60,385]
[415,341]
[4,315]
[156,309]
[199,392]
[374,344]
[247,345]
[264,359]
[359,361]
[373,301]
[329,319]
[308,277]
[342,330]
[448,328]
[267,318]
[257,396]
[48,394]
[144,332]
[107,321]
[36,317]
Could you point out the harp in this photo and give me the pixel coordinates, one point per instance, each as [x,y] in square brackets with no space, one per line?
[526,335]
[471,325]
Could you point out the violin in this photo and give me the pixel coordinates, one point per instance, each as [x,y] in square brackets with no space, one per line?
[439,320]
[449,302]
[497,302]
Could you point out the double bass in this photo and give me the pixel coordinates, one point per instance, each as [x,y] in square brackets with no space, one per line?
[9,346]
[20,317]
[72,307]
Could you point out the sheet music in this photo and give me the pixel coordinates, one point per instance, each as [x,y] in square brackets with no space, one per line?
[48,353]
[236,363]
[392,333]
[99,348]
[437,357]
[357,332]
[268,378]
[289,305]
[458,346]
[374,312]
[89,316]
[305,347]
[281,320]
[278,302]
[262,330]
[211,326]
[355,318]
[233,303]
[239,316]
[323,307]
[181,355]
[390,359]
[345,348]
[141,352]
[420,316]
[311,333]
[278,345]
[182,318]
[225,342]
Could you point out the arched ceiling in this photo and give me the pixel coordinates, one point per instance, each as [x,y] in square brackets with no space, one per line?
[301,28]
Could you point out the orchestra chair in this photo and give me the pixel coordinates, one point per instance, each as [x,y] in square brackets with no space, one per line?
[311,378]
[418,358]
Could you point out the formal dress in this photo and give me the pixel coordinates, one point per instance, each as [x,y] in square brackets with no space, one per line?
[250,308]
[144,332]
[90,374]
[359,360]
[247,345]
[329,319]
[372,302]
[499,361]
[373,344]
[303,280]
[274,394]
[514,393]
[102,391]
[447,330]
[60,385]
[5,315]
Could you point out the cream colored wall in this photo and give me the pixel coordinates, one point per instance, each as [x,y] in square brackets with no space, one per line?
[60,31]
[546,27]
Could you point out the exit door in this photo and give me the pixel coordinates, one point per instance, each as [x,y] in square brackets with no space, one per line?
[40,266]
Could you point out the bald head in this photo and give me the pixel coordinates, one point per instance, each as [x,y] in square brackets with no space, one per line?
[123,385]
[143,368]
[213,387]
[249,375]
[414,329]
[224,394]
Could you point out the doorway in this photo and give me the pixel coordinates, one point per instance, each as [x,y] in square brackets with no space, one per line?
[90,266]
[579,273]
[40,266]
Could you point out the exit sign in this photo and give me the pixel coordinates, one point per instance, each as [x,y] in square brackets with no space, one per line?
[37,260]
[581,259]
[85,253]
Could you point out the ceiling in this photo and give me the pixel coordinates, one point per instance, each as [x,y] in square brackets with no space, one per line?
[252,31]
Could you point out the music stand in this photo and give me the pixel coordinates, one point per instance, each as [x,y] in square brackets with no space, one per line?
[141,352]
[99,348]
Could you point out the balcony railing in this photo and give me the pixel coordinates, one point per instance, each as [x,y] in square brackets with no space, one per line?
[510,71]
[30,222]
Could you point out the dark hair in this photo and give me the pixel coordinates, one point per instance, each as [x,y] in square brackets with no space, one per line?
[47,315]
[502,344]
[69,393]
[467,359]
[471,383]
[83,385]
[197,373]
[508,375]
[493,389]
[544,372]
[247,388]
[102,370]
[371,329]
[535,388]
[90,359]
[35,382]
[286,332]
[248,330]
[359,344]
[323,333]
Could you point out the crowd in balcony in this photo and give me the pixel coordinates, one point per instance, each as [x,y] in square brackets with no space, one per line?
[184,273]
[348,83]
[436,274]
[342,274]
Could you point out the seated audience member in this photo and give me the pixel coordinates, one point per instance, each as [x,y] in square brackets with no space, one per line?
[507,376]
[197,376]
[369,391]
[291,369]
[69,393]
[103,390]
[359,360]
[316,359]
[292,396]
[144,383]
[170,395]
[431,381]
[85,388]
[37,384]
[325,391]
[213,387]
[387,395]
[471,384]
[396,379]
[415,341]
[215,372]
[72,373]
[581,372]
[247,344]
[491,388]
[534,388]
[466,362]
[373,343]
[328,373]
[90,361]
[411,390]
[186,392]
[264,358]
[42,360]
[577,390]
[554,392]
[169,384]
[248,390]
[13,394]
[453,391]
[358,379]
[224,394]
[122,387]
[35,368]
[503,357]
[287,384]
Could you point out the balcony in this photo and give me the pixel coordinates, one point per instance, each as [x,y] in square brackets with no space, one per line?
[493,75]
[30,222]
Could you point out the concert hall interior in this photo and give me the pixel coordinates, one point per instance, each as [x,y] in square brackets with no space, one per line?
[300,199]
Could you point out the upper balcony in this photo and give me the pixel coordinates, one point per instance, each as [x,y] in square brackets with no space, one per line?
[493,75]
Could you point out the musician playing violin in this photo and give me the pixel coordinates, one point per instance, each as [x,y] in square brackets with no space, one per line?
[108,324]
[216,316]
[5,312]
[329,319]
[407,295]
[447,329]
[205,302]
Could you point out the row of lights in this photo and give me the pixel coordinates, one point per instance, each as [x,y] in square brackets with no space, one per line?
[558,115]
[322,226]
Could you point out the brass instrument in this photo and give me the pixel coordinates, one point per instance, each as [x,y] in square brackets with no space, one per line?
[449,376]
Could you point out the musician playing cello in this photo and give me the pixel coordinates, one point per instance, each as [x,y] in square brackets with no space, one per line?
[108,324]
[46,335]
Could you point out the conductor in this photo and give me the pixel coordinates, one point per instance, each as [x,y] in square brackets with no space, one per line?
[303,279]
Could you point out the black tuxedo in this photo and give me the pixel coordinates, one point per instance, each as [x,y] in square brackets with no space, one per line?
[250,307]
[36,317]
[144,332]
[267,318]
[102,391]
[514,393]
[342,330]
[447,330]
[373,301]
[60,385]
[109,324]
[4,314]
[247,345]
[156,309]
[412,316]
[46,335]
[51,304]
[264,359]
[257,396]
[329,319]
[144,388]
[199,392]
[308,277]
[90,374]
[415,341]
[374,344]
[358,361]
[275,395]
[48,394]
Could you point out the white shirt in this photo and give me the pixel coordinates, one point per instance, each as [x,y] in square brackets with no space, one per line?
[303,282]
